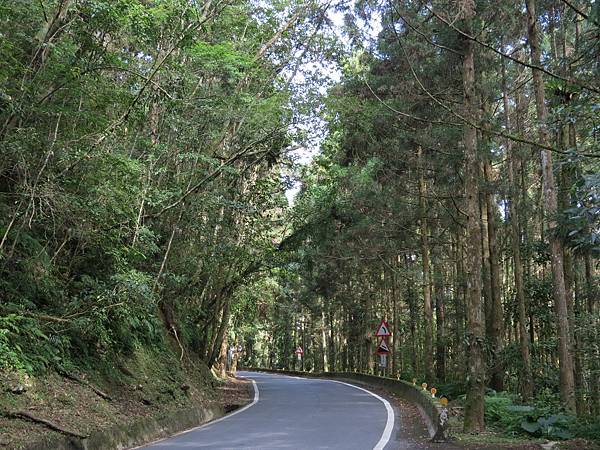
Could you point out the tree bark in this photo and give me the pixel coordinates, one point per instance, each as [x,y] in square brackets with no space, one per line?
[427,308]
[330,337]
[594,338]
[567,383]
[474,405]
[440,322]
[526,383]
[216,348]
[497,312]
[413,317]
[485,267]
[325,359]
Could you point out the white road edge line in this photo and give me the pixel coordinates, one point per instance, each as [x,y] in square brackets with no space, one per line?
[227,416]
[389,425]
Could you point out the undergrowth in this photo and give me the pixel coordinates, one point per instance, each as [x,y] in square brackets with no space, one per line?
[542,418]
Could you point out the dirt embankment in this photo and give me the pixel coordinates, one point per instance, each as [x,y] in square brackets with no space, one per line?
[79,403]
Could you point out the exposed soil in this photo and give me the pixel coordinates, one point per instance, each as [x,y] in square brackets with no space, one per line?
[235,393]
[76,407]
[145,385]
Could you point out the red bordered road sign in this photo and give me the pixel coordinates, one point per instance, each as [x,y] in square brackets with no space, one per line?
[383,330]
[382,348]
[299,351]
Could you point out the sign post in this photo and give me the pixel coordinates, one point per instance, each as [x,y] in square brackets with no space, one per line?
[383,349]
[299,354]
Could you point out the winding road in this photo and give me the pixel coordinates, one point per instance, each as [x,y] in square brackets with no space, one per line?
[298,413]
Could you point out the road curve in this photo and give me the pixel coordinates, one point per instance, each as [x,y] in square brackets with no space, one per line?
[296,413]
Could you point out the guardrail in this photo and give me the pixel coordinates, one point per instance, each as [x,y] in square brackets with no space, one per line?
[436,415]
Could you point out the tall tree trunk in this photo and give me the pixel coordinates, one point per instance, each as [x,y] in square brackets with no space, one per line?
[440,322]
[325,358]
[220,336]
[485,267]
[413,317]
[474,405]
[497,312]
[594,339]
[567,383]
[330,337]
[395,337]
[427,308]
[526,378]
[582,407]
[459,355]
[221,362]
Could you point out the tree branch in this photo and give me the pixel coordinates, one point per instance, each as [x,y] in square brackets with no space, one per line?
[407,115]
[213,174]
[580,12]
[512,58]
[487,130]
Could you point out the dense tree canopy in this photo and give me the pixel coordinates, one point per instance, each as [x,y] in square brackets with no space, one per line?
[147,148]
[143,154]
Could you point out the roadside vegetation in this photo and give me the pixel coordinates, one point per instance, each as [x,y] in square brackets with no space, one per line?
[140,188]
[146,239]
[456,196]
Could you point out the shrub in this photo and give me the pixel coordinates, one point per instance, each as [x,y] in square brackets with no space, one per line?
[24,346]
[119,315]
[557,426]
[542,420]
[588,428]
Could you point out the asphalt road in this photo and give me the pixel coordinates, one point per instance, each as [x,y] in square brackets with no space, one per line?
[297,413]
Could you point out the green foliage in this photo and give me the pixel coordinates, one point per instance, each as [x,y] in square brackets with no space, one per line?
[580,222]
[25,347]
[107,317]
[552,427]
[501,412]
[544,419]
[588,428]
[140,178]
[221,59]
[145,156]
[120,315]
[10,353]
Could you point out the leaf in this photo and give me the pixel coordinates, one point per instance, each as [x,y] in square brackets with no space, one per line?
[530,427]
[520,408]
[544,423]
[562,433]
[556,418]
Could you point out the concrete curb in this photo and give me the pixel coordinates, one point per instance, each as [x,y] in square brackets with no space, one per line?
[137,433]
[435,414]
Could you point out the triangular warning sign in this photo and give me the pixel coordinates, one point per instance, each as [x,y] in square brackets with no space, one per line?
[383,329]
[382,348]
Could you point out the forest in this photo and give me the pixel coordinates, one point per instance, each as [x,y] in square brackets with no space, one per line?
[154,193]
